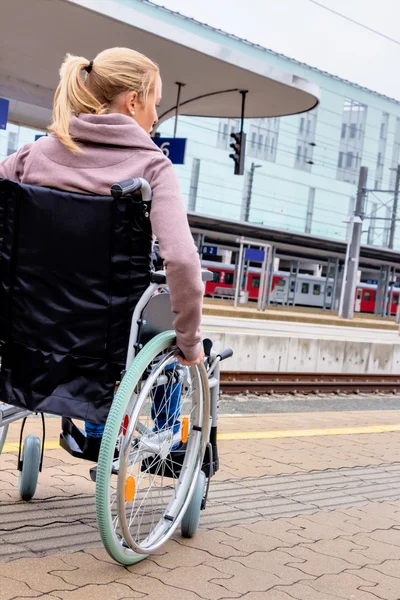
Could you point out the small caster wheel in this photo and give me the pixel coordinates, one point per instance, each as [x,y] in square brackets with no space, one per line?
[190,521]
[29,474]
[3,435]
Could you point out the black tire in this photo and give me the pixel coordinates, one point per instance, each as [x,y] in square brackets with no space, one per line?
[28,476]
[190,521]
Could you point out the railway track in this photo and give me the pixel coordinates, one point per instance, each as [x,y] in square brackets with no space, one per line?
[236,382]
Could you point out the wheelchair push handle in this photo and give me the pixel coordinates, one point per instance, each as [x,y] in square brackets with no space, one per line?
[227,353]
[131,186]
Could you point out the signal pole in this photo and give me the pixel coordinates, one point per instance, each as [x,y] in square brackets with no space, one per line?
[354,249]
[394,211]
[239,144]
[249,191]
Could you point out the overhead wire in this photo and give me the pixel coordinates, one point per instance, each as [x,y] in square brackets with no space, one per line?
[371,29]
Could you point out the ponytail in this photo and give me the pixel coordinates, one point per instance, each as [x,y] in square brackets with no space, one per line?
[71,97]
[90,87]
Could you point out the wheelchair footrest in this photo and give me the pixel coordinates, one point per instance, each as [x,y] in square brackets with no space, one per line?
[210,469]
[69,444]
[93,472]
[72,438]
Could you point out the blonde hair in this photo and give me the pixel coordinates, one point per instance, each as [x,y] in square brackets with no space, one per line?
[113,71]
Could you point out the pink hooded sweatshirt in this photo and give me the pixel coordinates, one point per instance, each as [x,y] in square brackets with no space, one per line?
[115,148]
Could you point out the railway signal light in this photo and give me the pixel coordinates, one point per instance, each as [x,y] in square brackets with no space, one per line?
[238,147]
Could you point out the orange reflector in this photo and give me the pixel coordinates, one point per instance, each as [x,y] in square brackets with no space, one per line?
[185,430]
[125,424]
[130,488]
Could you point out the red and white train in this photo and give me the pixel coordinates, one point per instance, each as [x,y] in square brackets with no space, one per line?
[309,289]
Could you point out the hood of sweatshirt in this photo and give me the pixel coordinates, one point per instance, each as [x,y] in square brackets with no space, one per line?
[96,135]
[115,129]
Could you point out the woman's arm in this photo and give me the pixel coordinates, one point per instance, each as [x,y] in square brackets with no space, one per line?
[13,166]
[170,225]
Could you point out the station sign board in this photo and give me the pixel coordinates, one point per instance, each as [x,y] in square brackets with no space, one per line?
[210,250]
[4,105]
[254,255]
[173,148]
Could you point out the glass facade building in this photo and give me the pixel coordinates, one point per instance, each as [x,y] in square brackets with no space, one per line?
[308,164]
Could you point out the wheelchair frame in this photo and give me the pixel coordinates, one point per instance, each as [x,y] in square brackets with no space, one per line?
[152,316]
[9,414]
[72,437]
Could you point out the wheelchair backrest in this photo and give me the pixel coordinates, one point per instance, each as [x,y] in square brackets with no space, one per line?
[72,268]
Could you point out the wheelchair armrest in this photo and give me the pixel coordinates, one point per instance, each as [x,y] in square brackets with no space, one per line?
[206,275]
[158,277]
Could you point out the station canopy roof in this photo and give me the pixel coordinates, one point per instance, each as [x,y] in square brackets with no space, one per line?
[292,244]
[35,35]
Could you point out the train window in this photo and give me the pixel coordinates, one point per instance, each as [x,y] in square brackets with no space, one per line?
[329,291]
[395,299]
[292,286]
[256,282]
[305,288]
[228,278]
[316,289]
[281,284]
[367,296]
[215,278]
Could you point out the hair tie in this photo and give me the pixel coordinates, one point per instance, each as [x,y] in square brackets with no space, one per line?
[89,67]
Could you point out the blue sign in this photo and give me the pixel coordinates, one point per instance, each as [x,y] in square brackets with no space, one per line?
[209,250]
[40,135]
[372,281]
[173,148]
[4,104]
[254,255]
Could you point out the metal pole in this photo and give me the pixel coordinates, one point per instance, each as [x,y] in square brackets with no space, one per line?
[266,287]
[249,192]
[335,282]
[394,211]
[354,253]
[346,262]
[178,102]
[243,92]
[262,281]
[378,294]
[239,275]
[391,280]
[270,276]
[200,239]
[392,292]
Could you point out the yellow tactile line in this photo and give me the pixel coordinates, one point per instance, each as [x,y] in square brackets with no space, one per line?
[289,433]
[262,435]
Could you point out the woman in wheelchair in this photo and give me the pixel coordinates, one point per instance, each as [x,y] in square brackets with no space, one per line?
[104,111]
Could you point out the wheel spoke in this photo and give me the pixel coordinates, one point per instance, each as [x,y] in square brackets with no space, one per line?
[150,480]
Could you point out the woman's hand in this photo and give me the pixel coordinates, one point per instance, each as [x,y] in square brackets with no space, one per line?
[189,363]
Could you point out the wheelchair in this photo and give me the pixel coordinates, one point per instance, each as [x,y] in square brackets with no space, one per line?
[157,456]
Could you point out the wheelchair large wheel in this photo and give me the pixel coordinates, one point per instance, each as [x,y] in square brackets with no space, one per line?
[28,476]
[191,518]
[3,436]
[142,495]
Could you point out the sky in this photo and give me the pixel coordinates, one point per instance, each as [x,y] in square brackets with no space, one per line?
[304,31]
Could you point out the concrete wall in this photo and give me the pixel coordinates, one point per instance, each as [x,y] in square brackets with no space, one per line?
[253,352]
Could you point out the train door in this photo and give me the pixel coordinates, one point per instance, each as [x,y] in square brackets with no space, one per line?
[357,306]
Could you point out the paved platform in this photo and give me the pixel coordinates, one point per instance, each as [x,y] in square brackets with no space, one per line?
[305,506]
[295,314]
